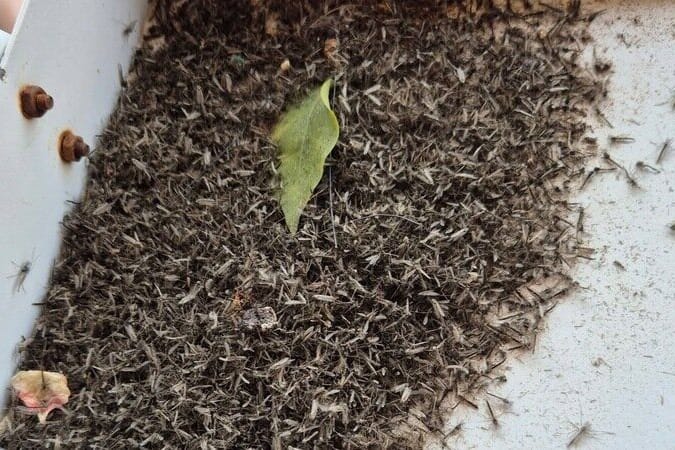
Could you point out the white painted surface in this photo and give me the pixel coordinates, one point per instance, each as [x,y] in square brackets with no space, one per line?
[625,318]
[72,48]
[4,37]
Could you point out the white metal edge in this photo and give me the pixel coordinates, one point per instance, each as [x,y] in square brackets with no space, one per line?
[74,49]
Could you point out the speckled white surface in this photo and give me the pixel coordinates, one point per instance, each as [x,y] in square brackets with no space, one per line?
[606,355]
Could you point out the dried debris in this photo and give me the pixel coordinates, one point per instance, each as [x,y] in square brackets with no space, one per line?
[261,319]
[330,47]
[445,196]
[285,65]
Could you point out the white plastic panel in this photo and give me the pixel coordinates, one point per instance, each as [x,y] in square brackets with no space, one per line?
[74,49]
[606,356]
[4,37]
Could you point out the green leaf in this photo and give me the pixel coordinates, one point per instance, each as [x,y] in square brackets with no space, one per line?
[305,136]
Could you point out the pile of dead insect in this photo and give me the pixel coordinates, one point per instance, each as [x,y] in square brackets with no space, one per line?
[184,313]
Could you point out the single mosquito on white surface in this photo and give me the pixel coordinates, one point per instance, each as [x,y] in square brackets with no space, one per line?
[582,432]
[23,270]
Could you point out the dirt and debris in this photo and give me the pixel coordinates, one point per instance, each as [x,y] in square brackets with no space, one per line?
[462,129]
[262,319]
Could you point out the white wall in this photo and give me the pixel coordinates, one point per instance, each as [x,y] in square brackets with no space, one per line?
[4,37]
[71,48]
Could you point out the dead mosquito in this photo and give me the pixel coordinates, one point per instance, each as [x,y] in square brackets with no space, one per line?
[456,429]
[120,76]
[21,275]
[467,401]
[495,422]
[631,180]
[506,401]
[602,116]
[593,172]
[580,221]
[582,429]
[580,434]
[663,151]
[129,28]
[622,38]
[644,166]
[599,65]
[619,265]
[621,140]
[453,432]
